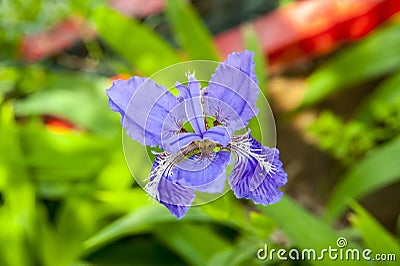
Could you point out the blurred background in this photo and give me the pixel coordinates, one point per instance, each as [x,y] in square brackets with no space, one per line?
[329,68]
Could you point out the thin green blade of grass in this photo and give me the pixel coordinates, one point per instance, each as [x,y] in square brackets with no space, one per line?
[190,31]
[378,169]
[135,42]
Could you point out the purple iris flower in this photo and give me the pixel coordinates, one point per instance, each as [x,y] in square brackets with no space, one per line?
[197,131]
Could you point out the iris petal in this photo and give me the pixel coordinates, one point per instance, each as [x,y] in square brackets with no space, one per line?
[178,141]
[175,180]
[173,123]
[254,178]
[215,186]
[174,196]
[219,134]
[197,172]
[143,105]
[193,105]
[224,114]
[235,84]
[244,62]
[121,92]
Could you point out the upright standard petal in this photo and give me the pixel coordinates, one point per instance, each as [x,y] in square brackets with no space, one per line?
[193,106]
[143,105]
[234,83]
[224,114]
[258,172]
[244,62]
[173,123]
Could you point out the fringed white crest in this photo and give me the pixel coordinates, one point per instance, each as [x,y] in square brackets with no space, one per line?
[165,164]
[240,145]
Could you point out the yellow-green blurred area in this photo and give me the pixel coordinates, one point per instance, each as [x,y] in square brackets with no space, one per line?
[67,196]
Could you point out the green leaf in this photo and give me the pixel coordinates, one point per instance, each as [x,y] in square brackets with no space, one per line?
[79,216]
[284,2]
[243,253]
[190,31]
[387,92]
[305,230]
[194,243]
[8,78]
[138,44]
[375,236]
[344,141]
[122,201]
[78,98]
[64,157]
[228,211]
[18,204]
[46,247]
[261,67]
[116,167]
[263,224]
[368,59]
[140,220]
[10,146]
[296,222]
[378,169]
[398,226]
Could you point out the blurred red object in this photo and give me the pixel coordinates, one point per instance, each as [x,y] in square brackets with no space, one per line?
[298,30]
[310,27]
[61,37]
[65,34]
[123,76]
[58,125]
[138,8]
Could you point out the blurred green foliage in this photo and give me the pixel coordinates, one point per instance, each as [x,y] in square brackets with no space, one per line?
[361,62]
[368,143]
[67,197]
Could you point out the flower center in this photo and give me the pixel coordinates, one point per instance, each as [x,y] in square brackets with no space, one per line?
[209,122]
[206,147]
